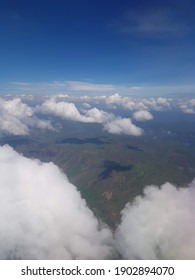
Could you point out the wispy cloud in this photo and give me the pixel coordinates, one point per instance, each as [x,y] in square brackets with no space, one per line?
[20,84]
[82,88]
[61,86]
[153,22]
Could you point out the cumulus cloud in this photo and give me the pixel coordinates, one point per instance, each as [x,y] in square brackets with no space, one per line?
[62,109]
[133,104]
[44,216]
[16,118]
[69,111]
[123,126]
[188,106]
[158,104]
[142,116]
[159,225]
[99,116]
[12,114]
[124,102]
[111,123]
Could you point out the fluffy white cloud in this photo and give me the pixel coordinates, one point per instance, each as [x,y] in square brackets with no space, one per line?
[99,116]
[115,98]
[123,126]
[16,118]
[158,104]
[142,115]
[111,123]
[12,114]
[133,104]
[62,109]
[69,111]
[124,102]
[159,225]
[188,106]
[43,216]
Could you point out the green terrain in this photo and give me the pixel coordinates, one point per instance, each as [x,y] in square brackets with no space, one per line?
[110,170]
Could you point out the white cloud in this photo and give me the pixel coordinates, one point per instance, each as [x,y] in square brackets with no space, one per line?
[99,116]
[16,118]
[83,86]
[187,106]
[159,225]
[16,108]
[114,98]
[78,87]
[62,109]
[69,111]
[134,104]
[125,102]
[158,104]
[142,115]
[123,126]
[44,216]
[111,123]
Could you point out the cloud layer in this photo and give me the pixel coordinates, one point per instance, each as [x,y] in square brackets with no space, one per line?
[111,123]
[43,216]
[19,115]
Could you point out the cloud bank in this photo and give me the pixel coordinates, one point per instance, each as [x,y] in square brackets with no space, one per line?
[159,225]
[19,115]
[44,216]
[111,123]
[133,104]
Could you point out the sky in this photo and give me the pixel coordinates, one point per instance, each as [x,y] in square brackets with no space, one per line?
[97,45]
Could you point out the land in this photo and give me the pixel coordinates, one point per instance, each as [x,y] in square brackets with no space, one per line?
[111,170]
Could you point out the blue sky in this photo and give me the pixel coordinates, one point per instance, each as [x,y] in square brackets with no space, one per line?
[120,44]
